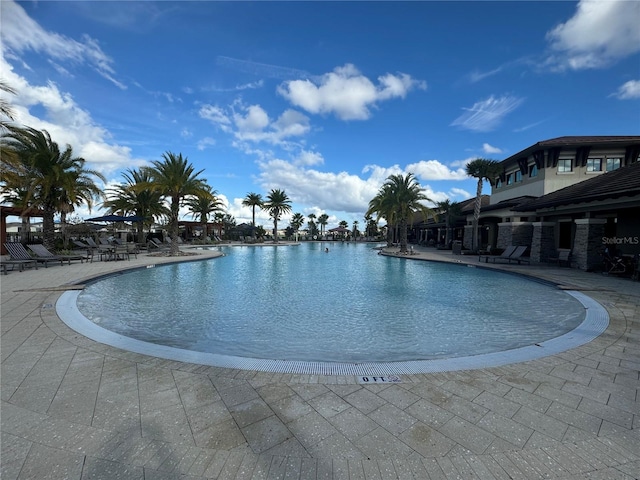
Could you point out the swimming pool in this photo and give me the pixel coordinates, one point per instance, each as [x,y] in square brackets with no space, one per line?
[270,306]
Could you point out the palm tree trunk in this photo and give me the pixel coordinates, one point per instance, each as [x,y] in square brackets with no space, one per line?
[26,229]
[275,230]
[173,228]
[389,236]
[476,215]
[403,235]
[253,223]
[48,228]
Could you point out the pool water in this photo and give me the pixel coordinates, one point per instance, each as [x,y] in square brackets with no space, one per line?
[348,305]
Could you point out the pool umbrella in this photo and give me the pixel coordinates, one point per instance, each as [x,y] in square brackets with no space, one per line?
[115,219]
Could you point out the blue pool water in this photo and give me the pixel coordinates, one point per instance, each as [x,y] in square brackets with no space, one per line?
[349,305]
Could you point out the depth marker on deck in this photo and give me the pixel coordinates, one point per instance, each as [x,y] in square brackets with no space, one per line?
[388,379]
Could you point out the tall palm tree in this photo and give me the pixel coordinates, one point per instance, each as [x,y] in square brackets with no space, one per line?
[253,200]
[202,205]
[355,232]
[323,220]
[384,207]
[277,204]
[175,179]
[54,181]
[404,197]
[482,169]
[6,110]
[297,220]
[449,210]
[312,224]
[135,196]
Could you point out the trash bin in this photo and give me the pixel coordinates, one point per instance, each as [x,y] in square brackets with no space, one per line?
[456,248]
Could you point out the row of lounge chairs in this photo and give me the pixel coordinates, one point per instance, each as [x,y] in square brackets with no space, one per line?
[511,254]
[20,257]
[107,250]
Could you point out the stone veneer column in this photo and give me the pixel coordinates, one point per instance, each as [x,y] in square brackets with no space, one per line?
[467,240]
[504,235]
[587,243]
[521,233]
[543,241]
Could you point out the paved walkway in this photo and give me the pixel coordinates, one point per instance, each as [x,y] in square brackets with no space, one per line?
[76,409]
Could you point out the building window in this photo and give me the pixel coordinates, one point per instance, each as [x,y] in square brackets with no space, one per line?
[518,176]
[594,165]
[533,170]
[498,182]
[565,165]
[509,178]
[613,164]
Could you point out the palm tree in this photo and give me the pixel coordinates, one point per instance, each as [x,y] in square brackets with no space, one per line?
[253,200]
[174,177]
[371,226]
[202,205]
[135,196]
[482,169]
[6,110]
[383,206]
[297,219]
[323,220]
[312,224]
[449,210]
[52,180]
[403,195]
[277,203]
[355,232]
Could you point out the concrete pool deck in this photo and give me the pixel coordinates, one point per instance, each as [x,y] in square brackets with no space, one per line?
[76,409]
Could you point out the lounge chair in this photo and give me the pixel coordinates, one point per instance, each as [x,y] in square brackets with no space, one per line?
[41,252]
[85,246]
[21,264]
[564,256]
[504,255]
[18,252]
[517,256]
[161,247]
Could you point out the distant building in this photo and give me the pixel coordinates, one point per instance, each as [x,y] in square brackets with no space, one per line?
[576,193]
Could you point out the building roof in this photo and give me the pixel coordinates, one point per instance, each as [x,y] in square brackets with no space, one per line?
[622,182]
[509,203]
[619,141]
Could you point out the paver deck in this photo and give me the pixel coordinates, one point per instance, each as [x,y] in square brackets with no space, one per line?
[72,408]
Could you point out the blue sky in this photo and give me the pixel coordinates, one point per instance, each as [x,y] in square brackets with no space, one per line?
[321,99]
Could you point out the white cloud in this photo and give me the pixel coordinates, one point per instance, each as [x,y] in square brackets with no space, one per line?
[67,123]
[215,115]
[205,142]
[308,158]
[20,33]
[346,93]
[252,124]
[599,34]
[434,170]
[486,148]
[487,114]
[629,90]
[459,192]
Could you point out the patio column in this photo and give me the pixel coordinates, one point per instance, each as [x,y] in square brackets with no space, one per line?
[587,243]
[467,239]
[542,241]
[504,235]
